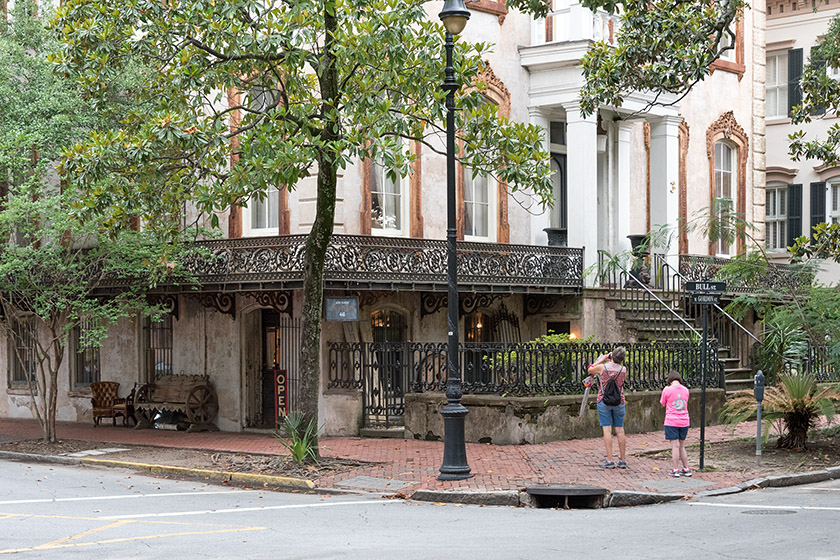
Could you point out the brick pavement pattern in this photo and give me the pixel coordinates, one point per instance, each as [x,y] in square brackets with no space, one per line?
[494,467]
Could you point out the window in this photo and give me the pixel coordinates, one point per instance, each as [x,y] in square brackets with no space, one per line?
[478,205]
[728,40]
[85,358]
[776,216]
[23,352]
[725,184]
[388,202]
[834,214]
[158,346]
[262,217]
[777,80]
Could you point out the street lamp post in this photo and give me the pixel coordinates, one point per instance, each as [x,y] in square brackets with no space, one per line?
[454,16]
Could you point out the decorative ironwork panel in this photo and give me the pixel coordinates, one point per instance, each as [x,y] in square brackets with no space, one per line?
[431,302]
[383,259]
[279,300]
[778,277]
[222,302]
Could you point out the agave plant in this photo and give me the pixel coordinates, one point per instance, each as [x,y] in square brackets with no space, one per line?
[797,400]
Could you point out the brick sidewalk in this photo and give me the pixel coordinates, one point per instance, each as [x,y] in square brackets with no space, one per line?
[416,463]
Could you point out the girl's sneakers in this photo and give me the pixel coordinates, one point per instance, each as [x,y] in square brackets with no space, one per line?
[675,473]
[686,472]
[608,465]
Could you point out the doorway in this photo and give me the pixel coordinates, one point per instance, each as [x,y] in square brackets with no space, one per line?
[280,356]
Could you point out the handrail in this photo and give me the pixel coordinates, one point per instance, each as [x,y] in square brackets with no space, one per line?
[719,308]
[650,292]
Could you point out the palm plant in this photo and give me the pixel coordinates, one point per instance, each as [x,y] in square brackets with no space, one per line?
[797,401]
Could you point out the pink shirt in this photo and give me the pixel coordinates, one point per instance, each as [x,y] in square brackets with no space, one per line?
[611,370]
[675,399]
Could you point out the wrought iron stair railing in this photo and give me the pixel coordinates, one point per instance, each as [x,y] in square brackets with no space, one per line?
[651,307]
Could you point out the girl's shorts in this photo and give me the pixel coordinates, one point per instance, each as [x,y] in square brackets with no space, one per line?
[672,433]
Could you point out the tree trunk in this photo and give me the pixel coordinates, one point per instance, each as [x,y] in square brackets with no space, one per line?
[322,229]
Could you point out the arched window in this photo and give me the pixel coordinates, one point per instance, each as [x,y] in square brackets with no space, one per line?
[725,187]
[727,149]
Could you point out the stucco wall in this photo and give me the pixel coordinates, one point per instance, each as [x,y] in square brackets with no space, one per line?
[520,420]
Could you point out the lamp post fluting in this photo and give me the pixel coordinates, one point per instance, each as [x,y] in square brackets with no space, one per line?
[454,16]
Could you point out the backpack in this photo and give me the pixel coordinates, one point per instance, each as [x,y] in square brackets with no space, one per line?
[612,394]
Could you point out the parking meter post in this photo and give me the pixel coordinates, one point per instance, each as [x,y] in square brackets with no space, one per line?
[704,309]
[758,391]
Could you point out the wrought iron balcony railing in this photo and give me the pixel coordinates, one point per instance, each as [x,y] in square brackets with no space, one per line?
[359,261]
[776,277]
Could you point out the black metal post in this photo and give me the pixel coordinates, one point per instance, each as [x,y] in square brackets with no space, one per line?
[703,357]
[454,465]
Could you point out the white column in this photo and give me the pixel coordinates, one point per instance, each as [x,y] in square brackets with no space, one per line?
[664,178]
[582,166]
[621,229]
[540,118]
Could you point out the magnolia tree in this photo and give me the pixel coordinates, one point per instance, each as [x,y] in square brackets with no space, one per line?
[292,89]
[53,268]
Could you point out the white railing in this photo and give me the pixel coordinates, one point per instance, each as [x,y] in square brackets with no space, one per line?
[570,21]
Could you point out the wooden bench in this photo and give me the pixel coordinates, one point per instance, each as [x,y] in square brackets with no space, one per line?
[192,395]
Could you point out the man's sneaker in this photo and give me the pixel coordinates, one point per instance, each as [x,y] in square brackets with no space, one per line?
[623,465]
[675,473]
[608,465]
[686,472]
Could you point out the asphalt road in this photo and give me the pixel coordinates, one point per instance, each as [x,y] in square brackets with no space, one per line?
[50,511]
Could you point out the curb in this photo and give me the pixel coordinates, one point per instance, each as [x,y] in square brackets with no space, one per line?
[490,498]
[221,476]
[57,459]
[628,498]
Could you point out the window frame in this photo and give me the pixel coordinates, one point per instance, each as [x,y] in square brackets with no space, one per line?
[723,248]
[490,205]
[780,86]
[162,334]
[778,219]
[248,228]
[833,210]
[85,357]
[17,374]
[380,177]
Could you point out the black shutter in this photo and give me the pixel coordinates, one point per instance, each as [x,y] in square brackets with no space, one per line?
[794,74]
[794,213]
[817,205]
[818,62]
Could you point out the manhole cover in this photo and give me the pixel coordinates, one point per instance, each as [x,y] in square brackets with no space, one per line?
[768,511]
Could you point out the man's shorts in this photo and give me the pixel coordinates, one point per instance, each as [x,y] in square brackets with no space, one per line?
[672,433]
[611,415]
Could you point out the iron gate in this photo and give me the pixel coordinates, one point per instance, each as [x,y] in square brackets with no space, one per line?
[281,350]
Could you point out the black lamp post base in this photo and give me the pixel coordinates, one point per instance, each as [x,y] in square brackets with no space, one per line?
[455,465]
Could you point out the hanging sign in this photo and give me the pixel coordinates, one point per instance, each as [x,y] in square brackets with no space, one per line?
[281,394]
[342,308]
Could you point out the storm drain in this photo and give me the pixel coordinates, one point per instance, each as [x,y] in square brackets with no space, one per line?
[567,496]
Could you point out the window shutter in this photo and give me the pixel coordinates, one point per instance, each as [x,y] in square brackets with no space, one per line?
[794,211]
[817,205]
[818,62]
[794,74]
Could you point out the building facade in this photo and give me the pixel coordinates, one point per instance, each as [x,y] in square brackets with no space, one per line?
[620,172]
[800,194]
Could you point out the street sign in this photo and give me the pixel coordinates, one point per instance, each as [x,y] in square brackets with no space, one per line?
[713,287]
[705,298]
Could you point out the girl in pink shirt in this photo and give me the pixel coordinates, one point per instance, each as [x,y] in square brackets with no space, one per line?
[675,400]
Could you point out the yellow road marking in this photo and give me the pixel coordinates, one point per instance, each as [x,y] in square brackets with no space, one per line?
[65,542]
[80,535]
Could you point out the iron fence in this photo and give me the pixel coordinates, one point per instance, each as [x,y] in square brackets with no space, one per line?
[510,368]
[815,359]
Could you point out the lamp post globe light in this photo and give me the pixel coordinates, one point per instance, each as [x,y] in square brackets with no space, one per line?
[454,16]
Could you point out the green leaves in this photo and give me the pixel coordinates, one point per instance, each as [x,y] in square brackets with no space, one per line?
[176,144]
[664,47]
